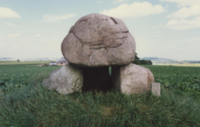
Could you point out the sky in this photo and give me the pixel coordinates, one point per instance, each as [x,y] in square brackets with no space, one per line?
[161,28]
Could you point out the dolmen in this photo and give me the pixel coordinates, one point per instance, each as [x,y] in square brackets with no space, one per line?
[93,45]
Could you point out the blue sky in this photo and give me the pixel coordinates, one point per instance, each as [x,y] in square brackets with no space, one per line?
[161,28]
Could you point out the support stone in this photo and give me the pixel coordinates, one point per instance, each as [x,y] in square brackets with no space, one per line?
[65,80]
[132,79]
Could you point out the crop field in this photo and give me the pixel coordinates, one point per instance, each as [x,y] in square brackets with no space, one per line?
[16,76]
[182,65]
[25,102]
[21,63]
[181,78]
[187,65]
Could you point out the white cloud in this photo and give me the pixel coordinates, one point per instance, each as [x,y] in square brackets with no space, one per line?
[38,35]
[186,12]
[119,1]
[11,24]
[182,3]
[8,13]
[14,35]
[56,18]
[187,17]
[182,24]
[135,9]
[16,46]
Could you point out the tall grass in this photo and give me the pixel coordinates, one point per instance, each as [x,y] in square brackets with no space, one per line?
[35,106]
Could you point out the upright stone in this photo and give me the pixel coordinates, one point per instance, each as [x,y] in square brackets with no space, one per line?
[132,79]
[65,80]
[155,88]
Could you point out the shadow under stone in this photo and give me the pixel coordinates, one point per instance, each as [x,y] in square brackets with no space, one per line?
[96,79]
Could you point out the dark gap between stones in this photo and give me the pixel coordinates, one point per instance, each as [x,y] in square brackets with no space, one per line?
[97,79]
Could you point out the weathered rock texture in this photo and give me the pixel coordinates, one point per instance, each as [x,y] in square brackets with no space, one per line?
[65,80]
[132,79]
[99,40]
[93,44]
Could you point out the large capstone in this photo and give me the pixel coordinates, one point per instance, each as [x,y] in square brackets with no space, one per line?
[99,40]
[65,80]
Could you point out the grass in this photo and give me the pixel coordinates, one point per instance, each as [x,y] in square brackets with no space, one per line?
[14,77]
[35,106]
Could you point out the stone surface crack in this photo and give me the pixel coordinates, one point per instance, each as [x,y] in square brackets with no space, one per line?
[77,37]
[113,20]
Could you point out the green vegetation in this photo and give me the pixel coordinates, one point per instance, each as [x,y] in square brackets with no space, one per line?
[14,77]
[186,79]
[138,61]
[32,105]
[142,62]
[20,63]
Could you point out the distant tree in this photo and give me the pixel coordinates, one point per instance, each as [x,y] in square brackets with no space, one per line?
[141,62]
[136,57]
[18,60]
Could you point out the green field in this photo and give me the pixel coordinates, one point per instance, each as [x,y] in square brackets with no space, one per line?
[21,63]
[15,76]
[24,102]
[181,65]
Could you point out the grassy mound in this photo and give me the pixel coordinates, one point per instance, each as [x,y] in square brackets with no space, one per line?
[35,106]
